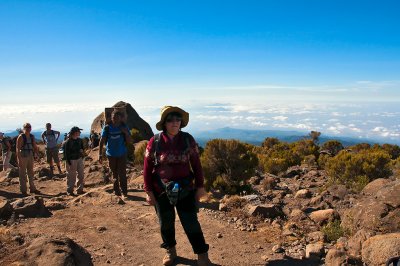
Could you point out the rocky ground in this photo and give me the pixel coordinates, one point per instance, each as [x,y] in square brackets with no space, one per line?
[283,223]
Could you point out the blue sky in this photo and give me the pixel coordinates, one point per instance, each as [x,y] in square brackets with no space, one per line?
[68,59]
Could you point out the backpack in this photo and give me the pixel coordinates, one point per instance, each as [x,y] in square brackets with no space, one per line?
[107,131]
[24,139]
[175,190]
[156,145]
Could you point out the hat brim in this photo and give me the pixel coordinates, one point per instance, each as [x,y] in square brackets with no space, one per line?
[172,109]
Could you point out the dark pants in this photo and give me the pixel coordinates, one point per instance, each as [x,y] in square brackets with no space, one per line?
[118,169]
[187,212]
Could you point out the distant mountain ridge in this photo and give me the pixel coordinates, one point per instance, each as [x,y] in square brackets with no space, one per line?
[256,137]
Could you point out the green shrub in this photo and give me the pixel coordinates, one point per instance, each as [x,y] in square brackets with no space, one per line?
[358,169]
[227,163]
[333,231]
[332,146]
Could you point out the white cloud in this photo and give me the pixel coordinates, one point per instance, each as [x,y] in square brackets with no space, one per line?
[280,118]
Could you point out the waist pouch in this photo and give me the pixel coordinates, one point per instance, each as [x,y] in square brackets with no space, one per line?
[175,195]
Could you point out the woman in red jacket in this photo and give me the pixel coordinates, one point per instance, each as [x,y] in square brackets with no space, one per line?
[170,183]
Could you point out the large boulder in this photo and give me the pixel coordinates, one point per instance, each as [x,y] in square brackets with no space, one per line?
[379,207]
[354,245]
[32,206]
[378,249]
[56,252]
[133,121]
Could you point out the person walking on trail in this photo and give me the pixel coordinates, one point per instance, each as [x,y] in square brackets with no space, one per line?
[6,151]
[116,137]
[73,154]
[171,184]
[27,152]
[50,138]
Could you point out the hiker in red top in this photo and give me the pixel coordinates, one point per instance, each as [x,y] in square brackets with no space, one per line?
[170,183]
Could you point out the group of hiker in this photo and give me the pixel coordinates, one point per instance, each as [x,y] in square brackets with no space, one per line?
[173,176]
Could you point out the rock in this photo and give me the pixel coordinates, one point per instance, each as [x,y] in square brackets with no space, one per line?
[316,200]
[278,249]
[335,257]
[101,229]
[58,252]
[45,172]
[314,251]
[31,207]
[133,120]
[316,236]
[254,180]
[339,192]
[219,235]
[303,194]
[55,205]
[374,186]
[379,210]
[324,216]
[293,171]
[12,173]
[354,245]
[5,209]
[223,207]
[266,211]
[378,249]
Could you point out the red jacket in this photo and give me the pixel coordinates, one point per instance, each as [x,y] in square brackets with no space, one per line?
[175,160]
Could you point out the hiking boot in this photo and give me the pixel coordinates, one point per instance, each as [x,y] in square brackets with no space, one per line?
[170,256]
[203,260]
[80,192]
[24,194]
[70,193]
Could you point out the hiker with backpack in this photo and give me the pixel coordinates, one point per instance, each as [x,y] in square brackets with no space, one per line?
[94,139]
[50,138]
[116,137]
[6,151]
[27,153]
[73,155]
[171,184]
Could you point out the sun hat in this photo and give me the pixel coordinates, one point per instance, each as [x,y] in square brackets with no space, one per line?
[166,110]
[75,129]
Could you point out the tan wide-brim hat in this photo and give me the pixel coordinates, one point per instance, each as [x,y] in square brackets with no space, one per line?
[166,110]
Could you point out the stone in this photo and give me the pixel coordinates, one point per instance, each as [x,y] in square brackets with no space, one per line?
[324,216]
[223,207]
[101,229]
[219,235]
[316,236]
[379,210]
[31,207]
[45,172]
[315,251]
[12,173]
[378,249]
[266,211]
[338,192]
[58,251]
[354,245]
[5,209]
[302,194]
[133,120]
[277,249]
[336,257]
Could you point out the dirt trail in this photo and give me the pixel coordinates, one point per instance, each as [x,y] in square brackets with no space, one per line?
[128,234]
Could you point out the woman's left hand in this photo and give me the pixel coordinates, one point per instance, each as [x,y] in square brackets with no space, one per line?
[200,192]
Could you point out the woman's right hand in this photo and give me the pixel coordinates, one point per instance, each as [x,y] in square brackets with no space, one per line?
[150,198]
